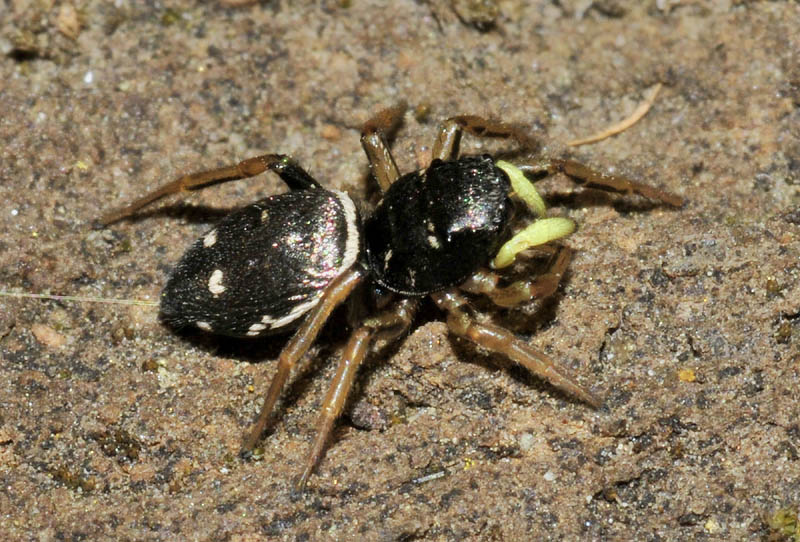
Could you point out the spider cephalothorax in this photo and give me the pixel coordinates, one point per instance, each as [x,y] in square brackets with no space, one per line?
[288,260]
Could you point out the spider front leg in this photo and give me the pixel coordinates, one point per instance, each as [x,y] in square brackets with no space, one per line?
[591,177]
[388,325]
[299,344]
[292,174]
[449,138]
[501,340]
[374,141]
[486,282]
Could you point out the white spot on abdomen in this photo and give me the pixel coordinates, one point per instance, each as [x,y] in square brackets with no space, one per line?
[215,282]
[296,312]
[210,239]
[205,326]
[351,219]
[256,329]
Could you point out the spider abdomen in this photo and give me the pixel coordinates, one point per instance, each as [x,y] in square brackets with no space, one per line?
[435,227]
[264,266]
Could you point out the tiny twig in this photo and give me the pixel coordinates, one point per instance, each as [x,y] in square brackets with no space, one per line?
[81,299]
[623,125]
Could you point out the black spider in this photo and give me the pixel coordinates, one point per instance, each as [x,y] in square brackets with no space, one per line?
[290,259]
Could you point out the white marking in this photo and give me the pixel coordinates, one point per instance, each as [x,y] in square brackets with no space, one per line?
[434,241]
[267,319]
[215,285]
[295,313]
[430,226]
[352,241]
[205,326]
[256,329]
[210,239]
[264,215]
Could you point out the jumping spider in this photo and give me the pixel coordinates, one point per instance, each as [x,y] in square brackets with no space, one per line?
[288,260]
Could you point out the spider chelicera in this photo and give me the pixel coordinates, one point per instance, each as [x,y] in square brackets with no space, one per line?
[288,260]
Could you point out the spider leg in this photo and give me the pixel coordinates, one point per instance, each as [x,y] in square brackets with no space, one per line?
[486,282]
[447,142]
[387,325]
[591,177]
[292,174]
[352,356]
[501,340]
[336,292]
[373,140]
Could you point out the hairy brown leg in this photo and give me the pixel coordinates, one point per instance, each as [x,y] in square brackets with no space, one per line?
[501,340]
[591,177]
[299,344]
[394,321]
[486,282]
[352,356]
[373,140]
[387,325]
[447,142]
[290,172]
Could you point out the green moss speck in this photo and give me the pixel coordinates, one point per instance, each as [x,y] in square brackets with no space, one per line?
[785,524]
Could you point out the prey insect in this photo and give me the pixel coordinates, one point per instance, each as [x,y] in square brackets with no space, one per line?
[288,260]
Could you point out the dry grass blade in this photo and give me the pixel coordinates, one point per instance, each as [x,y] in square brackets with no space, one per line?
[623,125]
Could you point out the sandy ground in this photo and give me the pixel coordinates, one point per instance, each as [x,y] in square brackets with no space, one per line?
[112,427]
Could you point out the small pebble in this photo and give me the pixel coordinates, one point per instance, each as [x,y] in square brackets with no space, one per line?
[48,336]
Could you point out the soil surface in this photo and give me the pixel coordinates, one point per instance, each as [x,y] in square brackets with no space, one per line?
[686,321]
